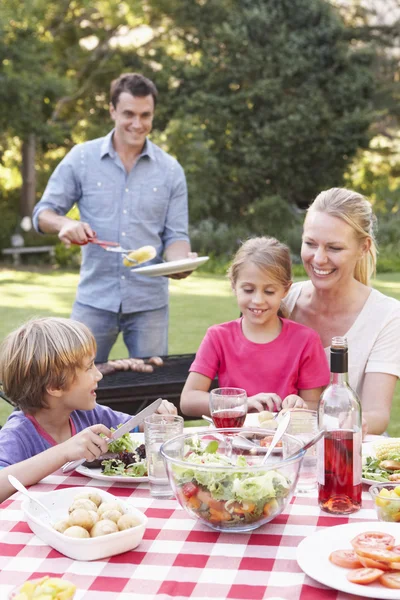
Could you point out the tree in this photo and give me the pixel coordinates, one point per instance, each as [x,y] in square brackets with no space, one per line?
[271,102]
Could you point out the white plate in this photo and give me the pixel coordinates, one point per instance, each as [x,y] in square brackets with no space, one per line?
[98,474]
[171,267]
[77,548]
[313,557]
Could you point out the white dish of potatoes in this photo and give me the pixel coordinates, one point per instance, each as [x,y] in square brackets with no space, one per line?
[86,523]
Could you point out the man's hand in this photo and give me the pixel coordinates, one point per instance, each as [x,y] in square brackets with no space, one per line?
[75,232]
[185,273]
[264,401]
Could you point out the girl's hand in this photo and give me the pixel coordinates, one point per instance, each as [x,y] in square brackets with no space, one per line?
[87,444]
[264,401]
[293,401]
[167,408]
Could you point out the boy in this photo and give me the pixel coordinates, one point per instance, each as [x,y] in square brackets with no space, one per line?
[47,370]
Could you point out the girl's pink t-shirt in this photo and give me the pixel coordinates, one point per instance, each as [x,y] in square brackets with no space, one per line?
[293,361]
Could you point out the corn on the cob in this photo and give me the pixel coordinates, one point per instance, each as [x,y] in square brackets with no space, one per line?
[385,449]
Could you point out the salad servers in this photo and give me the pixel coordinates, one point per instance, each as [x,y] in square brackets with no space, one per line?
[283,425]
[21,488]
[308,445]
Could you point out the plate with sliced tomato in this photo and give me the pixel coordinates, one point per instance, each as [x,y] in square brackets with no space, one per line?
[358,558]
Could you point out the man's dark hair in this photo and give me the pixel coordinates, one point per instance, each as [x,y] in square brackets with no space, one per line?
[134,84]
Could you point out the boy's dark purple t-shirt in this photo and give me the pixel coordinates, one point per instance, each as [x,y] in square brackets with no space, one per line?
[21,438]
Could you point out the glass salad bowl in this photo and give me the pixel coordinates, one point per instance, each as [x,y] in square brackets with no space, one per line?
[218,477]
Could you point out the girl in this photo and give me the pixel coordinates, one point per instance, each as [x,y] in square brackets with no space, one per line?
[269,356]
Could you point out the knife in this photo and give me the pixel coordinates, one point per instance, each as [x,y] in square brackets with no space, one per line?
[125,428]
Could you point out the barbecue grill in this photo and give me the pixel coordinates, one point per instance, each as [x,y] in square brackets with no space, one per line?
[130,392]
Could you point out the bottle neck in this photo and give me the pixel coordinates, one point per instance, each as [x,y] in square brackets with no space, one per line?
[339,378]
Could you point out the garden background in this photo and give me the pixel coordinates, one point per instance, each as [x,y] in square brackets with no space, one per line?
[264,102]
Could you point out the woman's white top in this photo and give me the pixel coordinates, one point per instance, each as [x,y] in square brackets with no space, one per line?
[373,339]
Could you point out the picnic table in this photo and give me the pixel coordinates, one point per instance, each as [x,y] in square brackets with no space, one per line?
[178,557]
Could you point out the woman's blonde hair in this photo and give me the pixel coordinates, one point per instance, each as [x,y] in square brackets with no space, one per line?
[355,210]
[269,255]
[43,353]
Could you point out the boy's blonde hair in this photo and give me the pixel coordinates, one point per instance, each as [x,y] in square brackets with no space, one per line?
[356,210]
[268,254]
[41,354]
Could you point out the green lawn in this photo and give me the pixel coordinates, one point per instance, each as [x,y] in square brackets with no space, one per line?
[196,303]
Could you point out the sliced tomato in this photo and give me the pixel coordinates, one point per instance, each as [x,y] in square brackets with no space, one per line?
[396,549]
[391,580]
[206,497]
[364,576]
[345,558]
[189,489]
[374,564]
[373,539]
[380,554]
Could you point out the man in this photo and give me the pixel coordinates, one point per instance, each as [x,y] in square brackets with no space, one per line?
[129,191]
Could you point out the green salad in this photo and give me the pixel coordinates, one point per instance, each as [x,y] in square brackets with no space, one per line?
[227,497]
[131,459]
[375,468]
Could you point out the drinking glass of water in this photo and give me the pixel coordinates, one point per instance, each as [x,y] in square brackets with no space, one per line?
[228,407]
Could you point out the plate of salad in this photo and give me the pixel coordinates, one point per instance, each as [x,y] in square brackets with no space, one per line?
[381,461]
[124,461]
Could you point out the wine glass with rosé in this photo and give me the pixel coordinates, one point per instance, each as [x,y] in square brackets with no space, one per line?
[228,407]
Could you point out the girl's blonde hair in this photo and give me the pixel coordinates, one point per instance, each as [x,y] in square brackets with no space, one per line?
[355,210]
[43,353]
[269,255]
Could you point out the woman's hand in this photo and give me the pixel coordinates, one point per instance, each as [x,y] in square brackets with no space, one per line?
[293,401]
[264,401]
[87,444]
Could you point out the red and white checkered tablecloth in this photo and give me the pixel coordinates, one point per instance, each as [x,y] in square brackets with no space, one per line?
[178,557]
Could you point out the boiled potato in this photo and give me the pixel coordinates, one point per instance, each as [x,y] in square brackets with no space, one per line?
[265,415]
[112,514]
[103,527]
[83,518]
[77,532]
[93,496]
[94,515]
[62,525]
[104,506]
[82,503]
[270,424]
[126,522]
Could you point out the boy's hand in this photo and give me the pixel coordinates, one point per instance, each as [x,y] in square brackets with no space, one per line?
[87,444]
[293,401]
[264,401]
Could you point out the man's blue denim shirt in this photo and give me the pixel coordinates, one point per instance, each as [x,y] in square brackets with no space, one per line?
[147,206]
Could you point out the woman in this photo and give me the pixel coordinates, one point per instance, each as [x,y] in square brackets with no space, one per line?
[339,256]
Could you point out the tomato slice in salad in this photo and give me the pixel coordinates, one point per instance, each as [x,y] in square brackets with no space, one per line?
[364,576]
[373,539]
[189,489]
[391,580]
[345,558]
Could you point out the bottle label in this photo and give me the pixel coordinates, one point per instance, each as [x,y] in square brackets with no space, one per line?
[357,457]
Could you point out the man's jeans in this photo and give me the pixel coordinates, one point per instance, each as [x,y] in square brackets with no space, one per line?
[145,333]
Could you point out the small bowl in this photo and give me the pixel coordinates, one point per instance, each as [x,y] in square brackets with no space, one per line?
[232,491]
[387,503]
[17,590]
[81,548]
